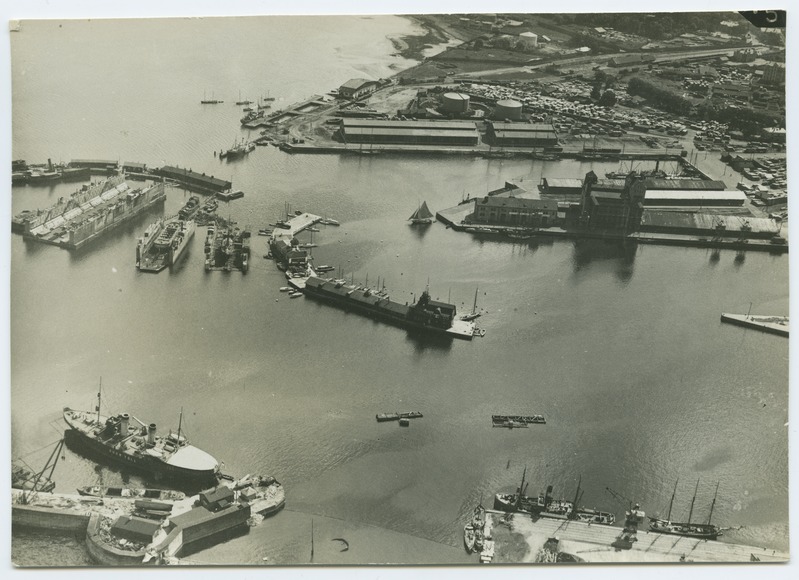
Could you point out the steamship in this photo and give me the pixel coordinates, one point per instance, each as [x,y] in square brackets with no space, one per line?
[125,440]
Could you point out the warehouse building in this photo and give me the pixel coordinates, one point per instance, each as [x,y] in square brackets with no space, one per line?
[702,224]
[561,185]
[694,198]
[515,211]
[653,183]
[521,134]
[357,88]
[459,133]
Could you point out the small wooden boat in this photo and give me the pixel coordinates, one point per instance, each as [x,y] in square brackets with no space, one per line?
[130,493]
[295,294]
[405,422]
[285,288]
[468,537]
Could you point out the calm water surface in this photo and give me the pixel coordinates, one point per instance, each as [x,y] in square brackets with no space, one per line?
[620,347]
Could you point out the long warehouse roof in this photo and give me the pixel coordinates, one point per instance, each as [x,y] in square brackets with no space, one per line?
[450,125]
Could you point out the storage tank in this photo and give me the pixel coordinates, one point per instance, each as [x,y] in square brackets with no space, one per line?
[508,109]
[455,103]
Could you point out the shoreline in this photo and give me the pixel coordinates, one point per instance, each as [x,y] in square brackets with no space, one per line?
[412,46]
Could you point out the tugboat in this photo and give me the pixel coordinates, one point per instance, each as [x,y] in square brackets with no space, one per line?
[118,440]
[706,531]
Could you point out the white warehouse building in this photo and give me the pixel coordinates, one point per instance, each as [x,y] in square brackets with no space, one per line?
[528,39]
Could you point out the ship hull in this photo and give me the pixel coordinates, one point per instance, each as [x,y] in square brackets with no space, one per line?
[389,312]
[80,443]
[701,531]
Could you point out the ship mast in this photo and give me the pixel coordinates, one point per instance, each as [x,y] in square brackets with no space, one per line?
[712,505]
[671,503]
[180,424]
[691,511]
[576,498]
[474,307]
[99,399]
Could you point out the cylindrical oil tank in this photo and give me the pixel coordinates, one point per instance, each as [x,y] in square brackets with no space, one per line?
[454,103]
[508,109]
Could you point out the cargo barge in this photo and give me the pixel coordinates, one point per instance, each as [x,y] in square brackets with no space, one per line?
[166,248]
[87,214]
[426,315]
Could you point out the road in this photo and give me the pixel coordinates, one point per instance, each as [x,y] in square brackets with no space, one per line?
[592,59]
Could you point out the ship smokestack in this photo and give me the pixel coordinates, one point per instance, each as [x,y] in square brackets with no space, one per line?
[123,424]
[548,495]
[49,165]
[151,434]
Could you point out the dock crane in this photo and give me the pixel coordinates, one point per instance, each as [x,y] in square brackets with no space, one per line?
[633,517]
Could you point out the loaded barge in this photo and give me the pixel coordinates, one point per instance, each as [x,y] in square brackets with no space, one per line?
[88,213]
[426,315]
[161,247]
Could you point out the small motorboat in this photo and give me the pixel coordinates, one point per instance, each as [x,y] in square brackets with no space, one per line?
[295,294]
[285,289]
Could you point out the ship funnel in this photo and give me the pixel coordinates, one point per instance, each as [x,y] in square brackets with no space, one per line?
[123,424]
[49,164]
[151,434]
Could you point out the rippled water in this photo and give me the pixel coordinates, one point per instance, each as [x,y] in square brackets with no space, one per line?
[620,347]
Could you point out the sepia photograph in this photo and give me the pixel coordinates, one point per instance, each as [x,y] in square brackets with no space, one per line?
[448,287]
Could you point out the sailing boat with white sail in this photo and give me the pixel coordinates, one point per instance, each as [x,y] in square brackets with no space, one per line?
[706,531]
[422,215]
[473,314]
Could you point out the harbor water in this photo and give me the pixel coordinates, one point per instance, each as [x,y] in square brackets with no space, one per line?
[620,347]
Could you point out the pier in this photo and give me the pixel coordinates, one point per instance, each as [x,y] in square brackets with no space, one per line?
[148,539]
[771,324]
[594,543]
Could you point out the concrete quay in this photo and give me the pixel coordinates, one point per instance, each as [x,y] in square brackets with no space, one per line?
[592,543]
[772,324]
[454,216]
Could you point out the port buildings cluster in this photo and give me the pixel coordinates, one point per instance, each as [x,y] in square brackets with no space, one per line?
[613,208]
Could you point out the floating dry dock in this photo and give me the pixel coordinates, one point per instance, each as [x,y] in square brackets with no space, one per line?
[772,324]
[88,213]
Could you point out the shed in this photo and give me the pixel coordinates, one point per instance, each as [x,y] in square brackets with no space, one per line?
[134,529]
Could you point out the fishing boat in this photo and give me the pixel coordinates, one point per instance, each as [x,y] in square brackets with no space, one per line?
[324,268]
[211,101]
[706,531]
[131,493]
[422,215]
[243,101]
[469,537]
[123,439]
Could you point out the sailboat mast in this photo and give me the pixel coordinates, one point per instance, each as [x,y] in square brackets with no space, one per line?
[311,539]
[691,511]
[712,505]
[474,307]
[521,489]
[671,503]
